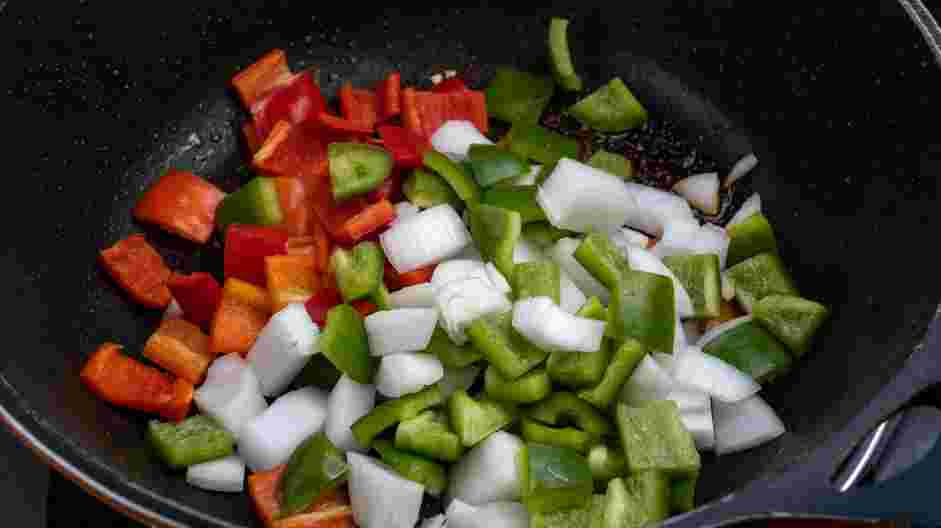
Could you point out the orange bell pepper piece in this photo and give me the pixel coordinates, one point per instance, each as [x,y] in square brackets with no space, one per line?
[242,314]
[291,279]
[317,245]
[137,267]
[180,347]
[181,203]
[259,78]
[250,135]
[331,510]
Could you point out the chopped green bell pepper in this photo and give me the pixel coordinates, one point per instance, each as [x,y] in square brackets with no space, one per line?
[491,164]
[193,441]
[474,420]
[625,359]
[591,516]
[699,274]
[413,467]
[450,354]
[652,489]
[426,189]
[508,351]
[564,407]
[496,232]
[758,277]
[642,306]
[544,234]
[319,372]
[528,388]
[750,237]
[519,198]
[457,177]
[515,95]
[542,145]
[389,413]
[357,168]
[254,203]
[791,319]
[315,466]
[358,271]
[554,478]
[602,259]
[569,437]
[429,434]
[612,163]
[574,369]
[654,439]
[753,350]
[683,494]
[611,108]
[606,463]
[562,56]
[345,344]
[637,501]
[536,279]
[381,298]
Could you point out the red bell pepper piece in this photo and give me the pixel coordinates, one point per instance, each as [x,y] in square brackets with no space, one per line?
[137,267]
[198,295]
[292,195]
[390,189]
[454,84]
[323,299]
[246,247]
[330,510]
[293,151]
[296,100]
[406,147]
[423,112]
[250,136]
[258,79]
[359,106]
[395,280]
[339,126]
[368,221]
[364,307]
[126,382]
[181,203]
[182,348]
[350,220]
[389,96]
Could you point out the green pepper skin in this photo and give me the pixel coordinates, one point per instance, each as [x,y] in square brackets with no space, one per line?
[544,234]
[602,259]
[642,307]
[567,437]
[426,189]
[413,467]
[537,279]
[503,347]
[612,163]
[315,466]
[561,56]
[359,271]
[389,413]
[554,478]
[357,168]
[429,434]
[515,95]
[606,463]
[345,344]
[450,354]
[791,319]
[750,237]
[699,275]
[519,198]
[475,420]
[193,441]
[542,145]
[528,388]
[753,350]
[758,277]
[496,232]
[576,370]
[491,164]
[654,439]
[611,108]
[255,203]
[625,360]
[564,407]
[463,183]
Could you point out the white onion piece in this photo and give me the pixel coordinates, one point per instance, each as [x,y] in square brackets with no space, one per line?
[271,437]
[692,331]
[551,328]
[749,207]
[283,347]
[405,210]
[438,521]
[714,240]
[728,287]
[649,381]
[626,237]
[497,279]
[656,209]
[742,167]
[526,251]
[456,379]
[231,394]
[701,427]
[715,332]
[458,269]
[745,424]
[348,401]
[714,376]
[173,311]
[454,139]
[400,330]
[415,296]
[461,302]
[583,198]
[666,361]
[460,515]
[407,373]
[571,299]
[564,254]
[427,238]
[529,178]
[701,191]
[380,497]
[679,338]
[642,260]
[225,475]
[488,472]
[679,238]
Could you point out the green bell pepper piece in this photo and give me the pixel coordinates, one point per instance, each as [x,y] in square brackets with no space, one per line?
[254,203]
[450,354]
[574,369]
[357,168]
[606,463]
[536,279]
[642,306]
[554,478]
[389,413]
[457,177]
[540,144]
[544,234]
[683,494]
[496,232]
[429,474]
[519,198]
[654,439]
[568,437]
[515,95]
[591,516]
[474,420]
[758,277]
[528,388]
[429,434]
[561,55]
[611,108]
[502,346]
[602,259]
[564,407]
[358,271]
[315,466]
[625,359]
[345,344]
[637,501]
[791,319]
[753,350]
[426,189]
[700,275]
[750,237]
[381,297]
[193,441]
[612,163]
[319,372]
[652,489]
[491,164]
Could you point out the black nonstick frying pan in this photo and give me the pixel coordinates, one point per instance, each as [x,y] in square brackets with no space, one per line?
[840,103]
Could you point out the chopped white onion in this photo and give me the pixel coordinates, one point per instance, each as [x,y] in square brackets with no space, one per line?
[283,347]
[427,238]
[460,514]
[400,330]
[526,251]
[649,381]
[380,497]
[173,311]
[728,287]
[564,254]
[461,302]
[626,237]
[456,379]
[407,373]
[583,198]
[438,521]
[225,475]
[656,209]
[454,139]
[458,269]
[571,299]
[742,167]
[679,338]
[666,361]
[745,424]
[701,191]
[715,332]
[714,376]
[231,394]
[679,238]
[488,472]
[271,437]
[497,278]
[714,240]
[415,296]
[642,260]
[348,401]
[692,331]
[405,210]
[551,328]
[700,425]
[751,206]
[529,178]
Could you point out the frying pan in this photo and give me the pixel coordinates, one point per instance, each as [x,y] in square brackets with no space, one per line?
[839,103]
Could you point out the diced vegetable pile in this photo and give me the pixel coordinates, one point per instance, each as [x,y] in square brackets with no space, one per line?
[409,307]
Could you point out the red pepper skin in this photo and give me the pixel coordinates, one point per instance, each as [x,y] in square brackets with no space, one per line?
[337,125]
[389,94]
[364,307]
[294,151]
[137,267]
[246,247]
[182,204]
[198,294]
[298,100]
[359,106]
[325,298]
[454,84]
[424,112]
[395,280]
[406,147]
[256,80]
[390,189]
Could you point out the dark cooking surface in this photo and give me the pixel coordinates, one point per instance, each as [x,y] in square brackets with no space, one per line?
[99,98]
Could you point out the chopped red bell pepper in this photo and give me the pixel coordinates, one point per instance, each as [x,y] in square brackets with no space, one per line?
[364,307]
[182,203]
[454,84]
[317,244]
[250,136]
[369,220]
[295,100]
[389,96]
[406,147]
[137,267]
[292,195]
[339,126]
[198,295]
[246,247]
[323,299]
[293,151]
[330,510]
[359,106]
[258,79]
[350,220]
[126,382]
[395,280]
[390,189]
[423,112]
